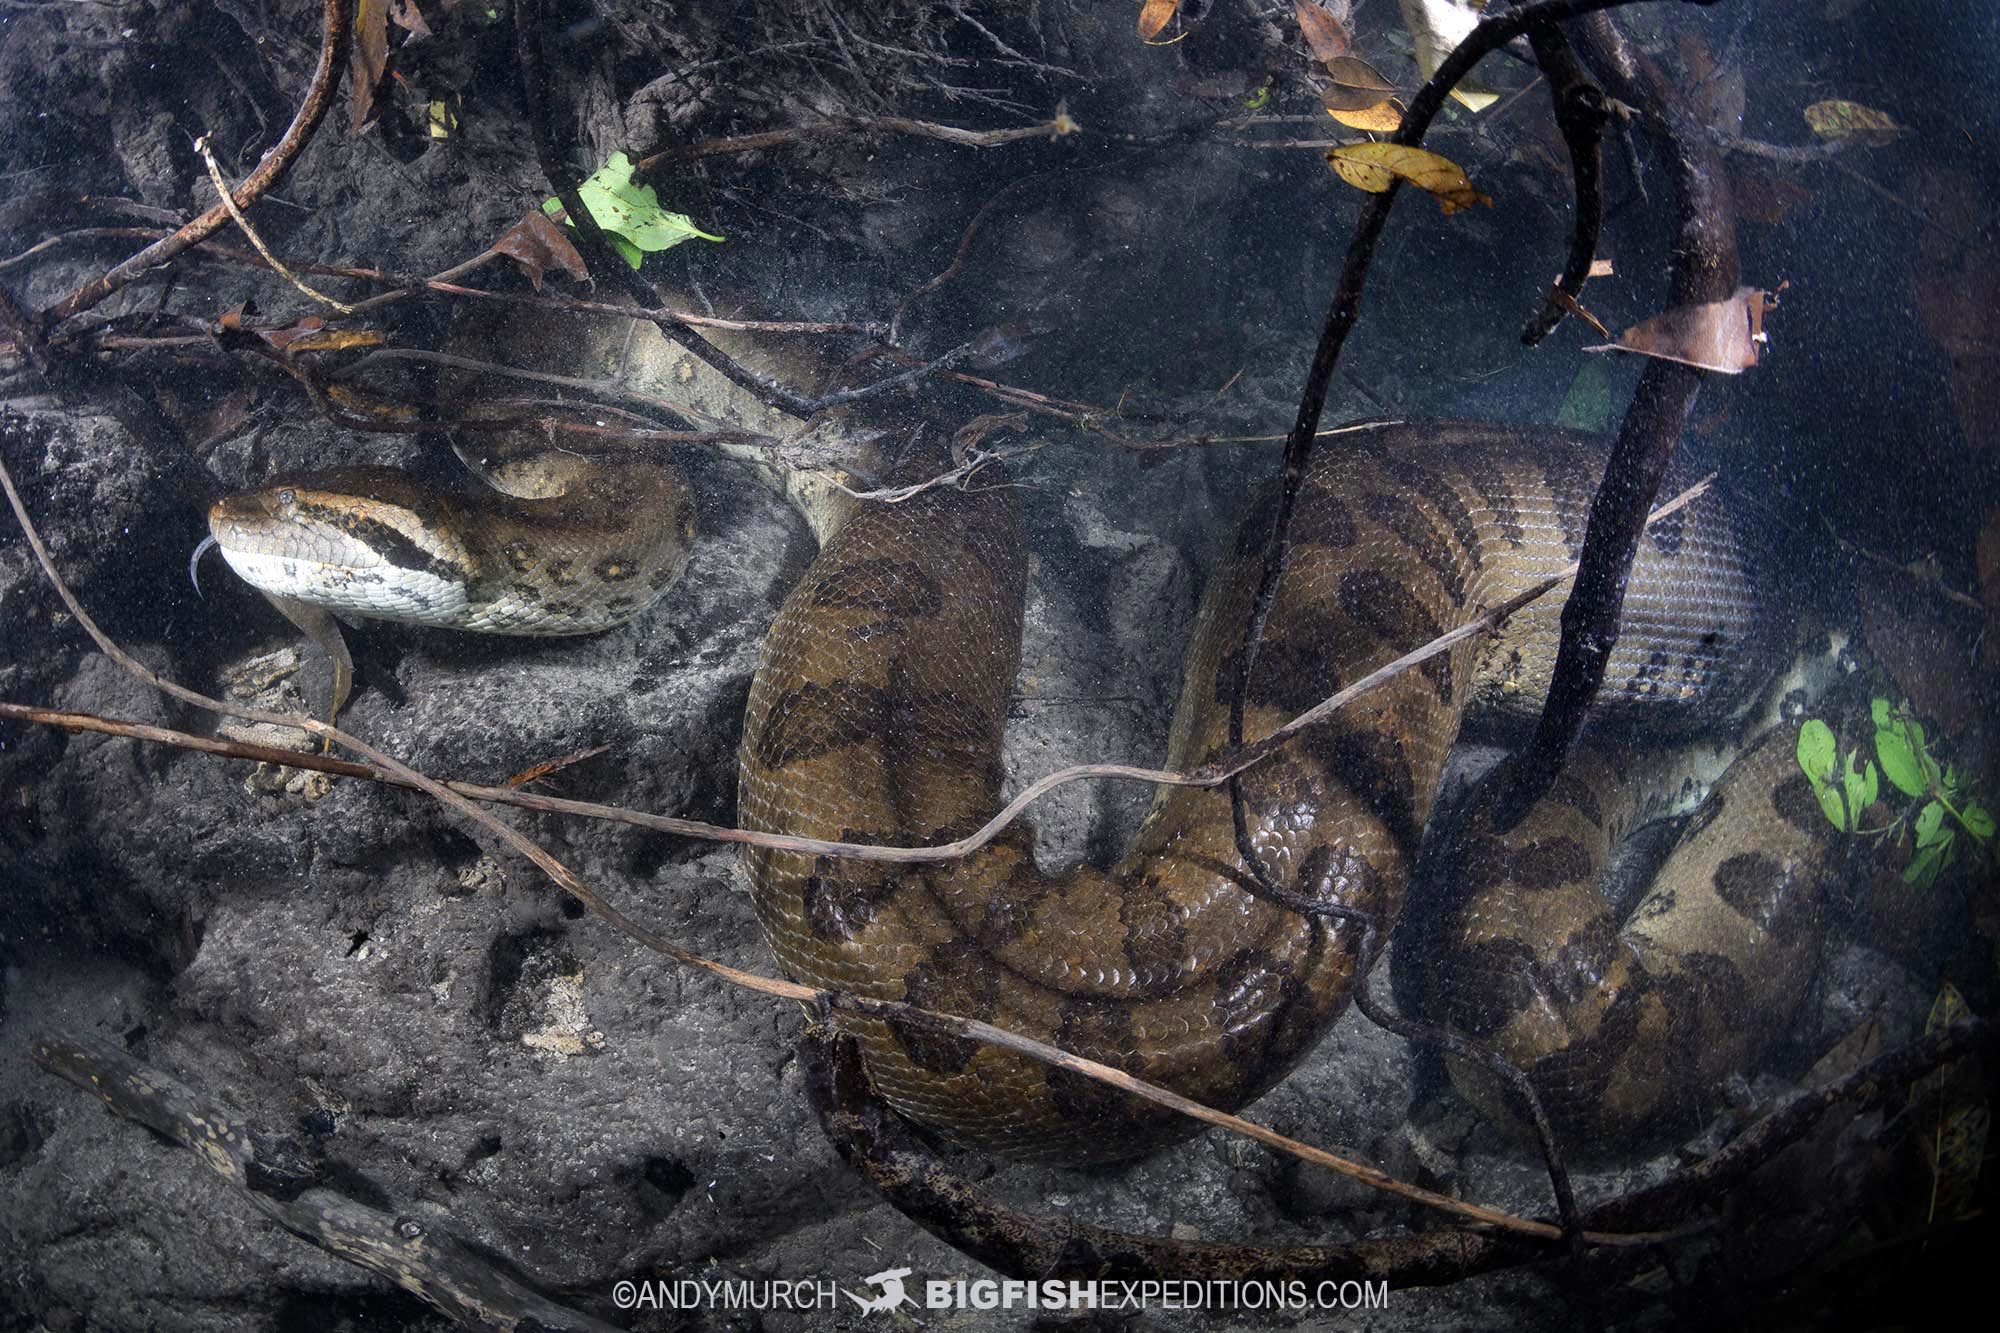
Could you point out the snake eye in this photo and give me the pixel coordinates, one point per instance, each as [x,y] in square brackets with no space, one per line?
[287,498]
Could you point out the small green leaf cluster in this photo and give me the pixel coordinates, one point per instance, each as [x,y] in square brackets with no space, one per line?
[630,214]
[1942,790]
[1843,795]
[1943,805]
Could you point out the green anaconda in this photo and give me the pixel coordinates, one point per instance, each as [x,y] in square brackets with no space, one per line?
[877,711]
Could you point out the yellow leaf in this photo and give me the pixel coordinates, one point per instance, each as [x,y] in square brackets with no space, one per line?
[1155,16]
[1353,85]
[1375,166]
[1382,118]
[1853,121]
[1946,1009]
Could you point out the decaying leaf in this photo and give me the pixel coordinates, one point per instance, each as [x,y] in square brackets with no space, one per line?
[538,245]
[1853,123]
[537,772]
[1570,303]
[1382,118]
[1374,167]
[1956,1145]
[359,403]
[1723,336]
[409,18]
[1716,95]
[1592,401]
[1156,15]
[1762,196]
[1353,85]
[367,60]
[301,337]
[1911,635]
[309,333]
[1436,28]
[1325,27]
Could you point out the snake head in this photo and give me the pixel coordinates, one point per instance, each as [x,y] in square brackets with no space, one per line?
[359,543]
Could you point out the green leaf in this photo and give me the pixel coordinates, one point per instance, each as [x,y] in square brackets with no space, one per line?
[1830,802]
[1930,820]
[1978,820]
[1923,868]
[630,214]
[1880,710]
[1931,769]
[1899,763]
[1817,751]
[1861,788]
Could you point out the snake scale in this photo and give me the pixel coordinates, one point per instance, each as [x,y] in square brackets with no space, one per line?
[876,715]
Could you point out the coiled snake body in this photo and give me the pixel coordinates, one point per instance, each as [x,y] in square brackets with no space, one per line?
[876,716]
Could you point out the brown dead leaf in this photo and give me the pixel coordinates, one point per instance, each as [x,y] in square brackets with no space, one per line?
[974,432]
[537,244]
[1913,633]
[1156,15]
[1374,167]
[328,340]
[1763,197]
[350,399]
[539,771]
[1723,336]
[367,60]
[406,15]
[1326,34]
[1383,118]
[1696,62]
[1570,303]
[281,339]
[1353,85]
[1957,291]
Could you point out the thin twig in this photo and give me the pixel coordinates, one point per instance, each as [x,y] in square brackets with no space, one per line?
[1210,775]
[1053,128]
[318,98]
[971,1029]
[243,225]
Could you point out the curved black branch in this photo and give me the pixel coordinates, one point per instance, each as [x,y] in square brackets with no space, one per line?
[1581,113]
[1704,270]
[1491,34]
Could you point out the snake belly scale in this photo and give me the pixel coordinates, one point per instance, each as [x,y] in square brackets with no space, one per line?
[876,716]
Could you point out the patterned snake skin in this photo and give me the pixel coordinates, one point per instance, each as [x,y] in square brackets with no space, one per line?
[876,716]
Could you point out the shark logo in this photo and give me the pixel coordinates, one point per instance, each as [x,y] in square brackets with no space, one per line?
[890,1280]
